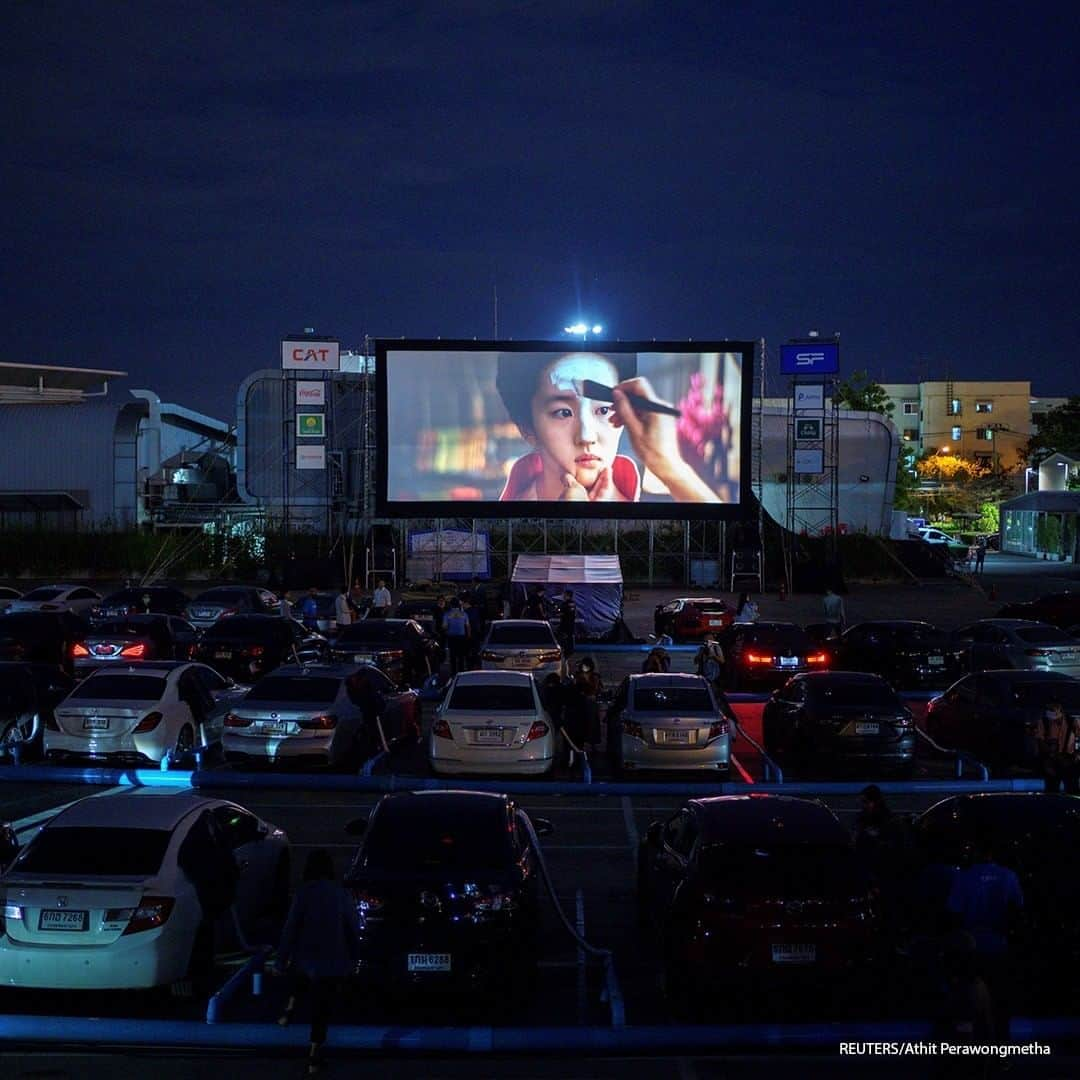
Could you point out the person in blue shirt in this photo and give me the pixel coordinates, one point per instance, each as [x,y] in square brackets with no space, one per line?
[309,609]
[456,627]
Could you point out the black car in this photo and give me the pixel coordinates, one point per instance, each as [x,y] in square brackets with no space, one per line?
[995,715]
[1059,609]
[400,647]
[749,889]
[426,612]
[446,891]
[840,718]
[28,694]
[141,600]
[134,638]
[910,654]
[225,600]
[1035,835]
[246,647]
[44,637]
[768,654]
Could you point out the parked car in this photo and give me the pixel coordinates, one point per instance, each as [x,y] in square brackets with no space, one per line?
[765,654]
[400,647]
[521,645]
[125,891]
[741,889]
[423,611]
[250,646]
[845,718]
[133,638]
[74,598]
[1020,643]
[938,538]
[225,600]
[141,600]
[140,714]
[492,722]
[909,653]
[327,715]
[669,722]
[446,889]
[690,618]
[995,715]
[28,695]
[8,597]
[1059,609]
[44,637]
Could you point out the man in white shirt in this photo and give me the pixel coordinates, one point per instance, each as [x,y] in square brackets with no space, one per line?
[342,610]
[381,600]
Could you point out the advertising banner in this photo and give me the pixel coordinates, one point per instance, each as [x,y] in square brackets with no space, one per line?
[311,355]
[310,393]
[311,457]
[311,425]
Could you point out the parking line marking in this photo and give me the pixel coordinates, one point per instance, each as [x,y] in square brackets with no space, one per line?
[579,922]
[747,778]
[31,821]
[631,825]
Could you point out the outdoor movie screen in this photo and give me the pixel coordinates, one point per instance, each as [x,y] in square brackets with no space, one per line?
[543,429]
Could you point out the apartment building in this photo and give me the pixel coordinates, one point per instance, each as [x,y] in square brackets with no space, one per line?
[987,421]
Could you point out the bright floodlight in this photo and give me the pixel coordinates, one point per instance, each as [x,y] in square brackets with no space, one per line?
[577,328]
[597,329]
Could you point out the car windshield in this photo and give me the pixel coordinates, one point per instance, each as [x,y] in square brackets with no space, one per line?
[799,869]
[373,630]
[1045,635]
[43,594]
[422,836]
[97,852]
[672,699]
[282,688]
[223,596]
[867,694]
[485,697]
[132,627]
[521,635]
[245,626]
[1038,694]
[117,687]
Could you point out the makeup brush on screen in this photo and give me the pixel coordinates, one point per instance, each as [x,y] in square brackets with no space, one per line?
[599,392]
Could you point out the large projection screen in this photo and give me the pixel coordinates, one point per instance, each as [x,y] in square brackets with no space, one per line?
[548,429]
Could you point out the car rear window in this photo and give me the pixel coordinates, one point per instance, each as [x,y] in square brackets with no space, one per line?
[418,837]
[282,688]
[1045,635]
[1033,694]
[488,697]
[43,594]
[101,852]
[785,641]
[375,630]
[844,695]
[243,626]
[222,596]
[798,869]
[121,687]
[521,635]
[130,627]
[672,699]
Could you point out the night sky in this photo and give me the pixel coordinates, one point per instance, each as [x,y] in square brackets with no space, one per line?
[186,183]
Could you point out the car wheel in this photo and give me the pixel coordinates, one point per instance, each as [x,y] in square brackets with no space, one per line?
[180,756]
[14,734]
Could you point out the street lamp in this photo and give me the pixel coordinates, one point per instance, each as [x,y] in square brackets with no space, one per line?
[582,330]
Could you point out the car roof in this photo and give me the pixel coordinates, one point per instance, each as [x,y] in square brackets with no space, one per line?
[698,600]
[768,819]
[1018,624]
[820,678]
[445,802]
[1009,808]
[895,624]
[765,626]
[520,622]
[492,678]
[146,808]
[327,670]
[665,678]
[1027,675]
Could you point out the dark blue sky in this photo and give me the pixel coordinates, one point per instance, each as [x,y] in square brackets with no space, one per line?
[185,183]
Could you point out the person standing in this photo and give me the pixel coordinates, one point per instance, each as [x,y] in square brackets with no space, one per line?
[309,609]
[567,623]
[343,609]
[834,612]
[320,946]
[658,662]
[980,554]
[535,608]
[709,660]
[381,600]
[285,608]
[747,610]
[456,627]
[1058,751]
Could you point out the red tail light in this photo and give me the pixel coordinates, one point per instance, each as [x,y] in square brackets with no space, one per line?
[255,650]
[537,731]
[326,722]
[152,912]
[757,658]
[818,658]
[148,723]
[136,652]
[232,720]
[487,654]
[228,611]
[79,649]
[550,657]
[718,730]
[441,729]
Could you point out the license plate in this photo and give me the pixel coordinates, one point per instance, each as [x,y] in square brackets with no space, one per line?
[104,650]
[204,613]
[937,661]
[523,662]
[362,658]
[63,920]
[676,736]
[429,961]
[716,622]
[794,954]
[223,654]
[274,729]
[95,723]
[489,735]
[867,729]
[789,661]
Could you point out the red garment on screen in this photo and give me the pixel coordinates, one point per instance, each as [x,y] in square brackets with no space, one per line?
[524,472]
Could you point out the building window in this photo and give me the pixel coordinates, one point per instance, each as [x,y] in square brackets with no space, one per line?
[911,434]
[984,406]
[911,408]
[954,407]
[985,434]
[957,432]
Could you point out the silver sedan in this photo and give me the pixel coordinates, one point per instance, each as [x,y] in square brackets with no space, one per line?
[669,722]
[1022,644]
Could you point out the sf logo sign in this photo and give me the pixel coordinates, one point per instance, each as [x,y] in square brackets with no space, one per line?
[808,359]
[804,359]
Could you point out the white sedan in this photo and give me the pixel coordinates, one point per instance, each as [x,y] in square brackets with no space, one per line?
[76,598]
[134,890]
[492,722]
[140,714]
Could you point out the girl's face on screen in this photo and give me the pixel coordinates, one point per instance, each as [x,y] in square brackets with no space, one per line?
[575,434]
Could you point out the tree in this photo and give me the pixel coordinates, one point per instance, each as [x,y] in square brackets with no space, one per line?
[1058,429]
[906,492]
[863,394]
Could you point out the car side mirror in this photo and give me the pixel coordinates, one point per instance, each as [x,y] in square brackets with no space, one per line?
[9,846]
[356,827]
[542,826]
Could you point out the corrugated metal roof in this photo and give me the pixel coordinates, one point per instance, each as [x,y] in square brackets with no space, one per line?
[567,569]
[1047,502]
[54,377]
